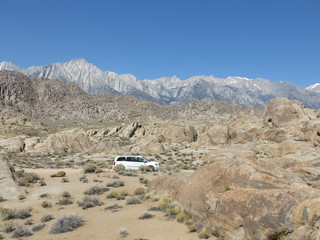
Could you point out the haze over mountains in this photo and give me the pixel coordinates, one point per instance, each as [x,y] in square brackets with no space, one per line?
[172,90]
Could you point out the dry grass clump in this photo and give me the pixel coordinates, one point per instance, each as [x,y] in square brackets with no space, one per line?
[84,179]
[9,214]
[38,227]
[119,168]
[25,179]
[67,223]
[123,232]
[2,199]
[146,215]
[66,199]
[204,234]
[91,168]
[89,202]
[139,191]
[96,190]
[9,227]
[133,200]
[118,195]
[113,207]
[46,204]
[46,218]
[21,231]
[116,184]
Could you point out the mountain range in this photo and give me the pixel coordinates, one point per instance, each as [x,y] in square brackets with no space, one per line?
[172,90]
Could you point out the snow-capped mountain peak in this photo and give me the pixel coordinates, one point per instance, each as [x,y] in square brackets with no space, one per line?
[172,90]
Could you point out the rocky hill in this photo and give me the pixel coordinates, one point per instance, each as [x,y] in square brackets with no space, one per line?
[46,98]
[170,90]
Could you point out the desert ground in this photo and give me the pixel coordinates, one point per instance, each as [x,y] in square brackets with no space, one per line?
[99,223]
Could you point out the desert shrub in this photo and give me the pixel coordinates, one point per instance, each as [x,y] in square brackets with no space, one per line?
[119,168]
[204,234]
[133,200]
[46,218]
[116,183]
[143,180]
[46,204]
[65,201]
[183,217]
[26,178]
[65,179]
[29,222]
[146,215]
[66,194]
[38,227]
[7,214]
[96,190]
[84,179]
[2,199]
[113,194]
[124,193]
[67,223]
[44,195]
[9,227]
[227,188]
[139,191]
[123,232]
[144,168]
[98,170]
[42,183]
[22,213]
[89,202]
[59,174]
[172,210]
[90,168]
[21,231]
[1,236]
[113,207]
[164,203]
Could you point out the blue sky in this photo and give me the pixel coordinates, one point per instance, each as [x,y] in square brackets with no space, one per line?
[274,39]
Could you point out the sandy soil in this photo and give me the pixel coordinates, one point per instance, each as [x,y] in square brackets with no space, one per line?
[100,223]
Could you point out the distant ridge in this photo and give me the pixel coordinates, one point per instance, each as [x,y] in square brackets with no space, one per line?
[172,90]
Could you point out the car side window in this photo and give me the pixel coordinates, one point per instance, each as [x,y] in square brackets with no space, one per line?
[131,159]
[121,159]
[139,159]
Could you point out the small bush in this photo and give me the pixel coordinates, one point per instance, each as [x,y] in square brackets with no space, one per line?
[89,202]
[46,204]
[116,184]
[66,194]
[21,231]
[65,201]
[119,168]
[84,179]
[42,183]
[123,232]
[2,199]
[146,215]
[65,179]
[44,195]
[91,168]
[96,190]
[59,174]
[67,223]
[39,227]
[164,203]
[7,214]
[183,217]
[29,222]
[144,168]
[139,191]
[23,213]
[9,227]
[204,234]
[113,207]
[227,188]
[113,194]
[47,218]
[133,200]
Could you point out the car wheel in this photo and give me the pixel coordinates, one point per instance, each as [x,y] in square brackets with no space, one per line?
[151,168]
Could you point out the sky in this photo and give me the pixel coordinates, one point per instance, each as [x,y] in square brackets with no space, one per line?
[274,39]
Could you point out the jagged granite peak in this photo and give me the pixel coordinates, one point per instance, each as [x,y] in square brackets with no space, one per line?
[9,66]
[172,90]
[314,88]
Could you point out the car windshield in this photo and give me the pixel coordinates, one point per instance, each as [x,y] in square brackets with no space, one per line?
[146,159]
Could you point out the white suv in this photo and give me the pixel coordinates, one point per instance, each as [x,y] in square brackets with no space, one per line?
[134,162]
